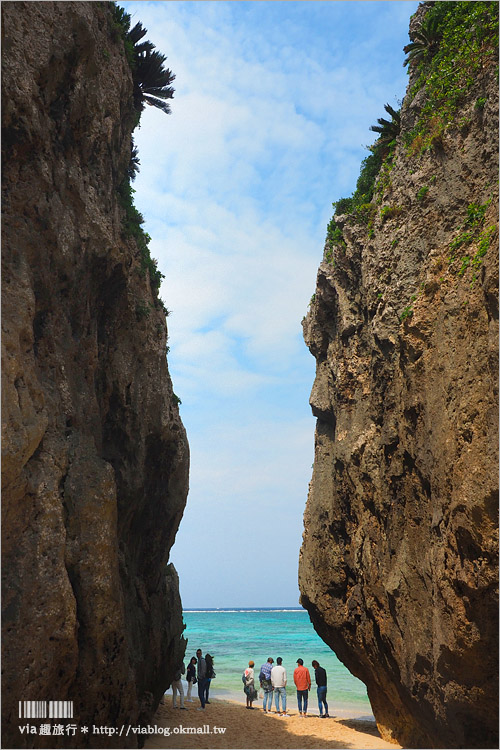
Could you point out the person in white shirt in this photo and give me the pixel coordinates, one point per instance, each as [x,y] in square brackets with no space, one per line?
[278,679]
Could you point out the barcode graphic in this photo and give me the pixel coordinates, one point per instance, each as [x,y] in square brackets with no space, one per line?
[60,709]
[32,709]
[45,709]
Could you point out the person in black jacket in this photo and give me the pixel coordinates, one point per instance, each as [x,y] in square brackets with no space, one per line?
[320,675]
[210,674]
[191,677]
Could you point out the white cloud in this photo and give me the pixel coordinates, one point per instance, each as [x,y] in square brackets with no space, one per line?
[249,442]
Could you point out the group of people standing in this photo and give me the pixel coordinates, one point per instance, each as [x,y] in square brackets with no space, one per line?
[273,680]
[200,671]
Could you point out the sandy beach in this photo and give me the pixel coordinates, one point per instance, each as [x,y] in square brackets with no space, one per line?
[254,729]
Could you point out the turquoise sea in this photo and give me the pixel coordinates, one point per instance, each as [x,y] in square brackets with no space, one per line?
[234,636]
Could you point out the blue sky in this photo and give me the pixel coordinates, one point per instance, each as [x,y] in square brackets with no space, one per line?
[270,120]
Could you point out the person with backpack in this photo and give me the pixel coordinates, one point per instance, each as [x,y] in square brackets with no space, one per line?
[266,684]
[248,678]
[177,688]
[210,674]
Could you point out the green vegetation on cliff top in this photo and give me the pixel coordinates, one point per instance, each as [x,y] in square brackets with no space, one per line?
[467,42]
[455,41]
[151,86]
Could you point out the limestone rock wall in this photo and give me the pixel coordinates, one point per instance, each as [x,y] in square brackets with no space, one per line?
[399,563]
[95,457]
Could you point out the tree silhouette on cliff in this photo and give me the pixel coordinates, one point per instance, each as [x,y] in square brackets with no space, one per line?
[152,80]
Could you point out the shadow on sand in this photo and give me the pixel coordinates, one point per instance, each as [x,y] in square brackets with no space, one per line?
[252,729]
[361,725]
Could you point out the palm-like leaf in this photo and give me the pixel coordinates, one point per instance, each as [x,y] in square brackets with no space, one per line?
[394,113]
[425,41]
[149,66]
[388,129]
[144,47]
[137,33]
[151,79]
[133,165]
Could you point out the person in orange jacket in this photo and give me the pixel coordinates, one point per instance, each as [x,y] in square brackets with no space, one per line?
[302,680]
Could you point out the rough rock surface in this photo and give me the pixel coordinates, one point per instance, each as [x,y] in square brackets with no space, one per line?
[399,563]
[95,457]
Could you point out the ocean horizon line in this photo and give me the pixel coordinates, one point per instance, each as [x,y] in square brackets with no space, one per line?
[244,609]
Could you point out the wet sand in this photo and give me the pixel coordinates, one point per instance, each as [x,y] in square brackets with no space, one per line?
[254,729]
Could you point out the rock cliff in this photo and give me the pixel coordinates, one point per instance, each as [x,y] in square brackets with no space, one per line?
[399,563]
[95,457]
